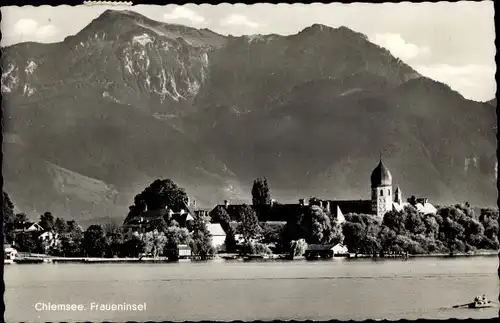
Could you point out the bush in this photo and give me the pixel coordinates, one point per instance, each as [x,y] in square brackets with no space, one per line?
[298,248]
[255,248]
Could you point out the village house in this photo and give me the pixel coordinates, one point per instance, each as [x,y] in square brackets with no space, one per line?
[9,253]
[325,251]
[182,251]
[143,222]
[218,236]
[49,240]
[24,227]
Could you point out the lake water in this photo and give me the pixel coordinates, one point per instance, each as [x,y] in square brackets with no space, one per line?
[340,288]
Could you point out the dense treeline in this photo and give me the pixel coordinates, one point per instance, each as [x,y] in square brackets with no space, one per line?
[452,229]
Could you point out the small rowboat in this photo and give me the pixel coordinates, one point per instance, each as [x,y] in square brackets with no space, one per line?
[478,302]
[481,304]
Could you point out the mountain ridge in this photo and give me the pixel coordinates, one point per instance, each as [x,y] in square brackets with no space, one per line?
[128,100]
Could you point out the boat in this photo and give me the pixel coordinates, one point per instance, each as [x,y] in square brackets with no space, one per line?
[9,254]
[481,304]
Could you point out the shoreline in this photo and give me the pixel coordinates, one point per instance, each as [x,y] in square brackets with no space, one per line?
[235,257]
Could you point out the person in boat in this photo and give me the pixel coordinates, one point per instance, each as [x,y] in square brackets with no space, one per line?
[479,299]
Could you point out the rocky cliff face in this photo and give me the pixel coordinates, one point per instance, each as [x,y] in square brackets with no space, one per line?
[128,100]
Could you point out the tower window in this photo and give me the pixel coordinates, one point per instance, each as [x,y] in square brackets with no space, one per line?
[389,191]
[381,192]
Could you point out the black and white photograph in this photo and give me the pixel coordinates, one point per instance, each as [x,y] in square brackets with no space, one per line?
[222,162]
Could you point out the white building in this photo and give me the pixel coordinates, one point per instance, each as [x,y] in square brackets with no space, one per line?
[218,235]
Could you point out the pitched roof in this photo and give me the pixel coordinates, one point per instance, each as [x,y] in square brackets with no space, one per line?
[147,216]
[24,226]
[275,213]
[179,213]
[215,229]
[426,208]
[352,206]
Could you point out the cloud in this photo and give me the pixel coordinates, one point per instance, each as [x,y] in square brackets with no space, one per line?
[473,81]
[30,28]
[399,47]
[239,20]
[46,31]
[181,13]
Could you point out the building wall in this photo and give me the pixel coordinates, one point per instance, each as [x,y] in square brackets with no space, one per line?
[381,200]
[218,241]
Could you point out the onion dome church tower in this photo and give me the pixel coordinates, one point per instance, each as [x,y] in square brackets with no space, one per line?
[398,196]
[381,181]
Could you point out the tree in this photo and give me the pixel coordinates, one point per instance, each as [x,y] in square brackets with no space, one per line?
[271,233]
[159,224]
[72,226]
[318,226]
[114,238]
[297,248]
[72,240]
[26,242]
[47,221]
[473,232]
[489,220]
[94,241]
[69,246]
[414,221]
[60,226]
[158,195]
[154,242]
[406,244]
[395,221]
[337,235]
[175,236]
[354,234]
[431,226]
[249,226]
[201,243]
[21,218]
[220,215]
[230,241]
[451,231]
[256,248]
[387,237]
[292,231]
[260,192]
[7,208]
[412,200]
[133,246]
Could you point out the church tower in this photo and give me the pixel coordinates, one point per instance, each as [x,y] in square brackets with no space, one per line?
[381,181]
[398,196]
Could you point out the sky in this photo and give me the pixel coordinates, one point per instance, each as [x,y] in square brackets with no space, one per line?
[451,42]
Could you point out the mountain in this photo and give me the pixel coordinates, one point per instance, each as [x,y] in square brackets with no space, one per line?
[92,120]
